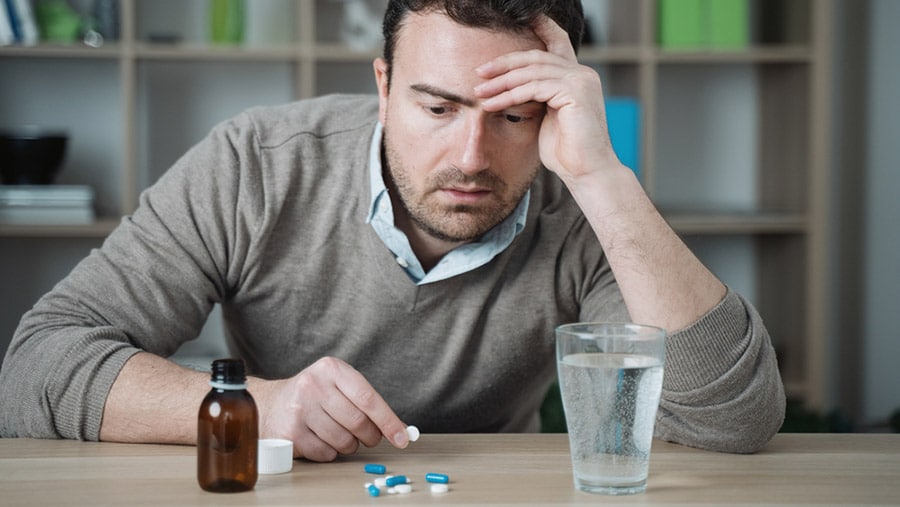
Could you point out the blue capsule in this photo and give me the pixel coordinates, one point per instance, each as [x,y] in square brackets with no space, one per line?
[373,490]
[375,468]
[397,479]
[437,478]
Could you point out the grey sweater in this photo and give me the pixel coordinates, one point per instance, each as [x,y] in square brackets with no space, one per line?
[267,217]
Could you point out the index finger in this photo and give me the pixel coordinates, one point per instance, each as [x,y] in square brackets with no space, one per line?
[361,393]
[554,37]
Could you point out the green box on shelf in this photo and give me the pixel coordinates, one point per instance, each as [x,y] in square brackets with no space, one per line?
[703,24]
[728,24]
[681,24]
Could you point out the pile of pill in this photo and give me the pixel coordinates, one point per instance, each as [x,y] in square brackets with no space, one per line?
[400,484]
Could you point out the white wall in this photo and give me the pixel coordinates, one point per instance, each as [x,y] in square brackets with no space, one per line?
[881,213]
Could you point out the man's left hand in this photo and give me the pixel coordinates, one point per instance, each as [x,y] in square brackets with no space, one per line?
[573,138]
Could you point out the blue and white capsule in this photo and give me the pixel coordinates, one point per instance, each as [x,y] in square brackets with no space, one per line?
[395,480]
[437,478]
[375,468]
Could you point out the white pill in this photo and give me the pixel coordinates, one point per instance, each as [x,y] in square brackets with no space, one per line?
[392,491]
[380,482]
[413,433]
[403,489]
[440,488]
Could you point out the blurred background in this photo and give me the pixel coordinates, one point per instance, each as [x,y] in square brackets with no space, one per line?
[765,130]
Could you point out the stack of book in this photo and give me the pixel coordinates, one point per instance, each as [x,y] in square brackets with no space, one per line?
[17,23]
[46,204]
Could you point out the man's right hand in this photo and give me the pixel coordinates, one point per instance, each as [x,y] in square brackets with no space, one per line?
[326,410]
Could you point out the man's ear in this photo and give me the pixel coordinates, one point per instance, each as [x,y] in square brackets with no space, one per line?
[381,81]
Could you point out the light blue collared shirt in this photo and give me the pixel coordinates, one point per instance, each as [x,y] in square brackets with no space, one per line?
[459,260]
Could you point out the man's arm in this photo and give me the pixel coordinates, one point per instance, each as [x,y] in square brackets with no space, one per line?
[662,282]
[722,389]
[327,409]
[87,361]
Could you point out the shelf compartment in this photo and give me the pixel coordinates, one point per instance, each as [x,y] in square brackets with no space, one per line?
[267,23]
[732,138]
[611,23]
[179,102]
[80,97]
[706,160]
[340,77]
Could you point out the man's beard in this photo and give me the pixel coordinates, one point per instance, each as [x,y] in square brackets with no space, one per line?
[458,223]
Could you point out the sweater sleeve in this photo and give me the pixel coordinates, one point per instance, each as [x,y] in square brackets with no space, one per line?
[149,287]
[722,390]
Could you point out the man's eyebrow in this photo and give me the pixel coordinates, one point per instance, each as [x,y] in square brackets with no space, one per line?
[444,94]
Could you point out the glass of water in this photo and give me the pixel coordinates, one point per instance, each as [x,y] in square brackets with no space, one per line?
[610,378]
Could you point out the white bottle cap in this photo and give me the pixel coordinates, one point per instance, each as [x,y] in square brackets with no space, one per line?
[276,456]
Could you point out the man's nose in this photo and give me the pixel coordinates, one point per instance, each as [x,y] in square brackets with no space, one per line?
[472,157]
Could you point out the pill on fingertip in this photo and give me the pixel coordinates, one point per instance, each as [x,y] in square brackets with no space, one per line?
[413,433]
[375,468]
[437,478]
[439,488]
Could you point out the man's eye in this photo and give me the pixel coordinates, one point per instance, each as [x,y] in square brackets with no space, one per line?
[514,118]
[437,110]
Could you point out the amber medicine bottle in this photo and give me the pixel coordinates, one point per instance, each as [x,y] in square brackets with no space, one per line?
[227,431]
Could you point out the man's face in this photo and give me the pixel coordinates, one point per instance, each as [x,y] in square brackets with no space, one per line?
[458,169]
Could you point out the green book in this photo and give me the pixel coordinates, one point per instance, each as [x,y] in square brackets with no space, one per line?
[728,24]
[681,23]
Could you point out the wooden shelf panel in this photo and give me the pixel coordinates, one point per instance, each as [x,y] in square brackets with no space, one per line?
[756,54]
[99,229]
[736,223]
[110,51]
[198,52]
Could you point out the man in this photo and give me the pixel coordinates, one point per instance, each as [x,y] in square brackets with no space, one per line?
[373,277]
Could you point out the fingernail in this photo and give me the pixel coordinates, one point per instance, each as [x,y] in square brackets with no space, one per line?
[401,439]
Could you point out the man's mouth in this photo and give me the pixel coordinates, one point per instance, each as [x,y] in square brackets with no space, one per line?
[466,195]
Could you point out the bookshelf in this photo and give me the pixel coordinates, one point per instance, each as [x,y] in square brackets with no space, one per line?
[733,142]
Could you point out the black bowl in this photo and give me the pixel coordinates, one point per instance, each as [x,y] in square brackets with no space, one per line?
[31,156]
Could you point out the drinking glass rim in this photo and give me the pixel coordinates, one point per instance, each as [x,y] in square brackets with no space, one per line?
[640,330]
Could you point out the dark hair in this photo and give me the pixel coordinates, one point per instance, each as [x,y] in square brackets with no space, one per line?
[502,15]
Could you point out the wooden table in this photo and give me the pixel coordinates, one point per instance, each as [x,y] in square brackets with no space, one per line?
[484,470]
